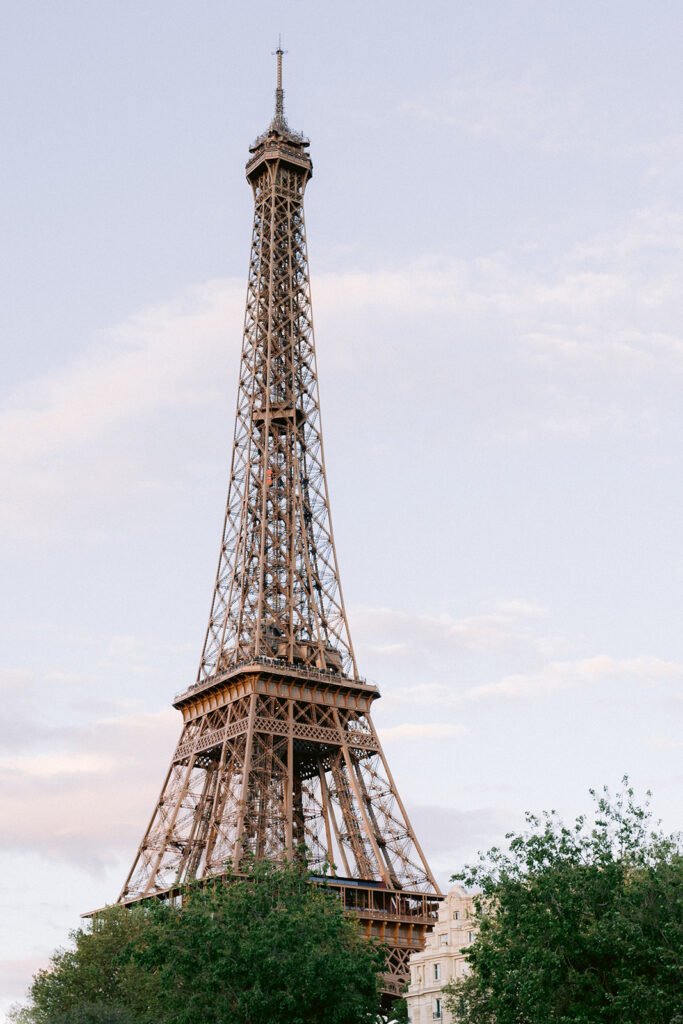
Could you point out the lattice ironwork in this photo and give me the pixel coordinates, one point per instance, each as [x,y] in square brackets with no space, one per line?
[278,756]
[266,774]
[277,589]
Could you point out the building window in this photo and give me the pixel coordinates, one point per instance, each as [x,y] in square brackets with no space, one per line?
[437,972]
[470,936]
[443,939]
[436,1010]
[456,915]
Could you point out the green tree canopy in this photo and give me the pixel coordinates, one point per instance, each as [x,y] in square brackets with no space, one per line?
[577,925]
[266,948]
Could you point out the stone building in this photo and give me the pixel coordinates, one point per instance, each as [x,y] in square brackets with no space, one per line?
[441,960]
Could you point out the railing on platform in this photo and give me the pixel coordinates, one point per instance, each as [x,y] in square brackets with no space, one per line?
[363,897]
[301,671]
[376,902]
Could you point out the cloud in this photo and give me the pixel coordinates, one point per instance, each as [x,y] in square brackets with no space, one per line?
[89,805]
[15,974]
[421,731]
[520,110]
[452,837]
[551,678]
[392,633]
[654,231]
[590,335]
[90,802]
[47,766]
[153,360]
[531,110]
[444,656]
[72,437]
[80,788]
[84,793]
[586,672]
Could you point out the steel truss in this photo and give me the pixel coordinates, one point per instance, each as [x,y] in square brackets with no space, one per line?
[278,756]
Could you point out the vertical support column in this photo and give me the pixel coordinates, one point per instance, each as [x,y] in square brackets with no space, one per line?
[222,787]
[353,829]
[244,796]
[369,831]
[196,840]
[165,843]
[125,892]
[409,827]
[289,782]
[328,812]
[375,826]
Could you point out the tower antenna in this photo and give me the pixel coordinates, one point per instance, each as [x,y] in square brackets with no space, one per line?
[279,91]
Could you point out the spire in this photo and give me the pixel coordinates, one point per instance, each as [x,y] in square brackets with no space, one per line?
[279,120]
[278,126]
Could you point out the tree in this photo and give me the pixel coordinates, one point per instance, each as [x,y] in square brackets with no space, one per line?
[97,981]
[577,925]
[399,1012]
[258,949]
[265,948]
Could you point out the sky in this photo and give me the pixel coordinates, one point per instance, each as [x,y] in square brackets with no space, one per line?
[495,229]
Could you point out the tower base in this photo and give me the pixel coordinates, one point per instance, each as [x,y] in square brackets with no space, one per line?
[393,918]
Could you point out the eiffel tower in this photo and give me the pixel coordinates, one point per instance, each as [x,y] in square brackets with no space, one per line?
[278,752]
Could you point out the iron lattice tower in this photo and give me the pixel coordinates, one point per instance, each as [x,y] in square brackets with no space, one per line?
[278,750]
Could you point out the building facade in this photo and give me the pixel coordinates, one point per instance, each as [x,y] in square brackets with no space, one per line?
[442,959]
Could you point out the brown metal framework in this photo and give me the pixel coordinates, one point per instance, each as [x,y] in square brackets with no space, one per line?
[278,753]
